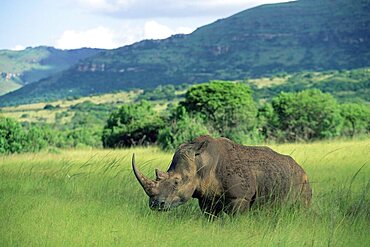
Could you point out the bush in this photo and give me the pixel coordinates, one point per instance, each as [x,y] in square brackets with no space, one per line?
[356,119]
[166,92]
[306,115]
[268,123]
[37,139]
[16,139]
[12,136]
[51,107]
[181,128]
[226,106]
[131,125]
[83,137]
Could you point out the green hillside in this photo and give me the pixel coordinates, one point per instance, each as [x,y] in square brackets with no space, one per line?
[305,35]
[344,85]
[18,68]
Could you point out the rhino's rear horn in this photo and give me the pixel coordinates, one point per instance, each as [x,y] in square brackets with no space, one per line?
[148,185]
[160,175]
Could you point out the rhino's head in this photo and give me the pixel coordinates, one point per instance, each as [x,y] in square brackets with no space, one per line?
[169,189]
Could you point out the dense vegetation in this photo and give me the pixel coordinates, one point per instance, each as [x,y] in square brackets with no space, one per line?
[166,92]
[356,119]
[218,108]
[228,108]
[15,139]
[131,125]
[344,85]
[307,115]
[84,129]
[180,128]
[312,36]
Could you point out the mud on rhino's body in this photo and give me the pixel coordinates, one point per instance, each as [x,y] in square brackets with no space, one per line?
[225,176]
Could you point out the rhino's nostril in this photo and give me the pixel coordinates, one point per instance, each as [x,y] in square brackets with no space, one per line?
[153,204]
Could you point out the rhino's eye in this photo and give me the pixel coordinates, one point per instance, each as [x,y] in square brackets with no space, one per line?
[176,181]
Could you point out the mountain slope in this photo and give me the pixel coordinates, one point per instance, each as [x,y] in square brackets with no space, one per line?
[287,37]
[18,68]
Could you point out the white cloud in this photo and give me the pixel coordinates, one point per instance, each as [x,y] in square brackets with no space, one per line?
[99,37]
[18,48]
[103,37]
[170,8]
[148,19]
[184,30]
[155,30]
[235,2]
[106,6]
[100,5]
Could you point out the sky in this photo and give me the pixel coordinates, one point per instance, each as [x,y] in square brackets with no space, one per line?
[72,24]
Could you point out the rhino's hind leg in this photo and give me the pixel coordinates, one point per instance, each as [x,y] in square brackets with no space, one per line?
[306,193]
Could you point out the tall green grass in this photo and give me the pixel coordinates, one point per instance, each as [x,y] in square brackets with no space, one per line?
[91,198]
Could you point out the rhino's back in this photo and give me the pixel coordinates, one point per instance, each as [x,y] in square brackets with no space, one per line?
[259,157]
[259,167]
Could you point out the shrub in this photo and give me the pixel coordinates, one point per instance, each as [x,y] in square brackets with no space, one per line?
[37,139]
[51,107]
[226,106]
[356,119]
[16,139]
[12,136]
[132,124]
[83,137]
[268,123]
[166,92]
[181,128]
[306,115]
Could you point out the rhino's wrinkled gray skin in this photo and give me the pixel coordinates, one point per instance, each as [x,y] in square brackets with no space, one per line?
[225,176]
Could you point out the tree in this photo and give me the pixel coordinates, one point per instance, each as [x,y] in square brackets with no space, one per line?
[15,138]
[181,128]
[356,119]
[307,115]
[37,138]
[268,123]
[166,92]
[12,136]
[227,106]
[132,124]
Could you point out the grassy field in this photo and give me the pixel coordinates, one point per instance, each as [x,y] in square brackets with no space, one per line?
[37,113]
[91,198]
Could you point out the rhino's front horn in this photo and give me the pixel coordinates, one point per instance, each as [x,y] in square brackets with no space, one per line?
[148,185]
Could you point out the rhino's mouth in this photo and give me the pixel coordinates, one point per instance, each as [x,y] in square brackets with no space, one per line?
[160,209]
[163,206]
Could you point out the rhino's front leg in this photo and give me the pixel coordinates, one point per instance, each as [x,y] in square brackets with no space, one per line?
[211,207]
[238,205]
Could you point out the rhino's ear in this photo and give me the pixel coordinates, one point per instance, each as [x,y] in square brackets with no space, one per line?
[199,147]
[160,175]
